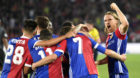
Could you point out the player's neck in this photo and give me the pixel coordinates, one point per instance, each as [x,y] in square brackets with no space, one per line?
[28,35]
[38,31]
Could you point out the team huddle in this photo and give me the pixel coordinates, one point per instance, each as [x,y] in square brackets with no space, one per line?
[39,52]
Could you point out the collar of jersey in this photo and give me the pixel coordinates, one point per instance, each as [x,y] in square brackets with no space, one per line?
[80,33]
[110,34]
[25,37]
[37,35]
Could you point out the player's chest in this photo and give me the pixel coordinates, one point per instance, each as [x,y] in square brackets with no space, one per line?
[112,41]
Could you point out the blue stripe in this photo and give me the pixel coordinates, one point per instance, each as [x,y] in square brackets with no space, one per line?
[118,51]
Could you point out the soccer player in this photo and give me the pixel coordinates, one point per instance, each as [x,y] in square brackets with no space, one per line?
[52,70]
[80,53]
[94,34]
[116,25]
[43,23]
[18,50]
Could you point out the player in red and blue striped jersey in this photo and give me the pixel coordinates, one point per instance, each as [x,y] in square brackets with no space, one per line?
[18,52]
[79,48]
[116,26]
[52,70]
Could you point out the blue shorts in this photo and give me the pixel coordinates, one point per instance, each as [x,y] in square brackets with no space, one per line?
[118,76]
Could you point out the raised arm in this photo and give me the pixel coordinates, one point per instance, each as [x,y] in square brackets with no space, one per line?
[123,20]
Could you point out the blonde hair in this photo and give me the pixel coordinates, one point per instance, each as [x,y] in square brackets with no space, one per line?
[115,16]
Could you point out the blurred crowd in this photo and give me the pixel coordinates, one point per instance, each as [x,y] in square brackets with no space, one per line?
[14,12]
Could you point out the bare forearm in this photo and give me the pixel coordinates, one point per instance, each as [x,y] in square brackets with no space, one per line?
[46,60]
[50,42]
[122,17]
[113,54]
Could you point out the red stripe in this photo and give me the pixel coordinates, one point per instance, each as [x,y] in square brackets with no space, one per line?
[55,69]
[119,35]
[88,55]
[16,70]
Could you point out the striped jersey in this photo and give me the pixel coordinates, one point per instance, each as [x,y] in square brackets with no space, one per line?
[80,53]
[52,70]
[16,56]
[117,43]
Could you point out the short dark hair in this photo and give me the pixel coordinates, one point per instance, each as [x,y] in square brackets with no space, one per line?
[42,21]
[45,34]
[67,23]
[64,30]
[29,25]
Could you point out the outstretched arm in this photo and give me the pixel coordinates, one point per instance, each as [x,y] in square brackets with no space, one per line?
[54,41]
[107,52]
[124,23]
[113,54]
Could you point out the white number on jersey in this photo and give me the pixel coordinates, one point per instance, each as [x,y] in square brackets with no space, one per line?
[9,53]
[17,57]
[48,50]
[79,40]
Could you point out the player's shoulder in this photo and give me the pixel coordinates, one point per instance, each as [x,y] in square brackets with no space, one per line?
[120,35]
[36,37]
[54,36]
[13,40]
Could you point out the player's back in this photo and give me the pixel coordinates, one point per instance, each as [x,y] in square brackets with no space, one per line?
[52,70]
[81,56]
[16,56]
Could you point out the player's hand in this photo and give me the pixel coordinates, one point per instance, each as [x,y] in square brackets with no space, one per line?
[33,67]
[96,62]
[123,57]
[113,6]
[71,33]
[79,27]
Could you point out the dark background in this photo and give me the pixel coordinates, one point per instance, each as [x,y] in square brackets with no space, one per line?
[14,12]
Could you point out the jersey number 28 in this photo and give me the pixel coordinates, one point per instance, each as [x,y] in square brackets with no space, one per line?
[17,57]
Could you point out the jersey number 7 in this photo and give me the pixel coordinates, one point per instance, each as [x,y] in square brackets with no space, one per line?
[79,40]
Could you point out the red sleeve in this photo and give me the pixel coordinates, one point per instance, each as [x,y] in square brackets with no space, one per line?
[29,61]
[119,35]
[62,46]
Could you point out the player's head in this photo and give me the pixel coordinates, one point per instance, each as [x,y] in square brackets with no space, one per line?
[68,23]
[111,21]
[64,30]
[43,22]
[89,24]
[45,34]
[29,26]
